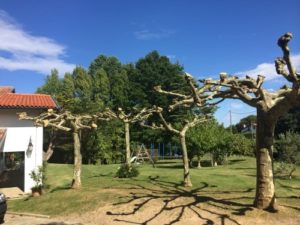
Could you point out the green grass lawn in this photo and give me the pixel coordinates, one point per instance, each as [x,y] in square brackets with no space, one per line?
[236,180]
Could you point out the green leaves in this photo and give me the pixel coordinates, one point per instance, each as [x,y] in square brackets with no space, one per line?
[153,70]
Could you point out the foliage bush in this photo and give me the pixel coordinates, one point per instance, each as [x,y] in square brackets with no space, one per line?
[212,138]
[287,154]
[240,145]
[127,170]
[286,170]
[37,177]
[288,148]
[45,183]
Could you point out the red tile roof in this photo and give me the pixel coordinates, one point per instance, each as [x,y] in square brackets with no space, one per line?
[6,89]
[41,101]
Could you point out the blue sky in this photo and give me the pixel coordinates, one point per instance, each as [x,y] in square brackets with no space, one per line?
[206,37]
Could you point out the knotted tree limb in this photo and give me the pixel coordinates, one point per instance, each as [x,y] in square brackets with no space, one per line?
[269,105]
[68,122]
[198,95]
[285,60]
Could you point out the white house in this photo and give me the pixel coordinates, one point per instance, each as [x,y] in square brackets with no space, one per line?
[21,143]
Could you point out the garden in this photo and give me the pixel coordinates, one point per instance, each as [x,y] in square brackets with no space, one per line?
[217,176]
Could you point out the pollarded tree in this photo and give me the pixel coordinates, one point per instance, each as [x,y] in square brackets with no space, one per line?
[67,122]
[128,119]
[269,105]
[181,133]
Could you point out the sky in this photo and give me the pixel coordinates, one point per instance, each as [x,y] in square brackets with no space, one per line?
[206,37]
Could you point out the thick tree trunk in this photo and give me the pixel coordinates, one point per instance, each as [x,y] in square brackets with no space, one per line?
[265,190]
[199,161]
[76,183]
[127,143]
[186,173]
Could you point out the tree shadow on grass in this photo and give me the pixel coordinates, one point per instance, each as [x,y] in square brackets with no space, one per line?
[60,188]
[110,174]
[233,161]
[166,162]
[177,200]
[244,168]
[166,166]
[287,186]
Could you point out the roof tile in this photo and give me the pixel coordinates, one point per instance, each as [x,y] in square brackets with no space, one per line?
[6,89]
[12,100]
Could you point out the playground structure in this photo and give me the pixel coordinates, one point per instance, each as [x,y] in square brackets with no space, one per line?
[142,155]
[162,151]
[165,151]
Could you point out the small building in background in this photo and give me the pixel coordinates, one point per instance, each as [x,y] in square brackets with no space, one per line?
[21,142]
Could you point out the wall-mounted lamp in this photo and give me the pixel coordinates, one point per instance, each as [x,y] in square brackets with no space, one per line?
[29,148]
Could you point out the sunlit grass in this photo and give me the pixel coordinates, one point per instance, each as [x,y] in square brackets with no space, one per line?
[100,186]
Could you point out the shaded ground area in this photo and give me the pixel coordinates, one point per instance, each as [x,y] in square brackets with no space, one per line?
[221,195]
[169,203]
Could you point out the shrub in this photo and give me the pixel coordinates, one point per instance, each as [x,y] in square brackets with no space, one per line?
[240,145]
[288,148]
[127,170]
[44,175]
[284,170]
[37,176]
[287,154]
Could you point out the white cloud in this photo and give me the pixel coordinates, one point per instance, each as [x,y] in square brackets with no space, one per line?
[268,69]
[151,35]
[19,50]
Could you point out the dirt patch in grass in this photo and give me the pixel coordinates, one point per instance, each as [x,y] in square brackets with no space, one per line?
[166,204]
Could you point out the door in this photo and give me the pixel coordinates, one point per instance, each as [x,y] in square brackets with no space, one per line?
[12,169]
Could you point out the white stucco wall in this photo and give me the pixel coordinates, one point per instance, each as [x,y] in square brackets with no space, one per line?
[17,139]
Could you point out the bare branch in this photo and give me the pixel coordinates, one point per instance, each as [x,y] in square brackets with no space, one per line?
[65,121]
[283,44]
[236,88]
[153,126]
[194,122]
[280,69]
[174,94]
[144,114]
[167,125]
[195,92]
[183,102]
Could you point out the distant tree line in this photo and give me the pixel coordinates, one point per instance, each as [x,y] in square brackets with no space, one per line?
[109,83]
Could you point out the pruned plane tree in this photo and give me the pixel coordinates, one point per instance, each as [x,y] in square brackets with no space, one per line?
[269,106]
[132,117]
[68,122]
[180,132]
